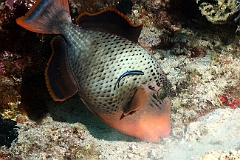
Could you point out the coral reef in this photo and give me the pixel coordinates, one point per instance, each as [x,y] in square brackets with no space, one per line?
[21,54]
[200,59]
[91,6]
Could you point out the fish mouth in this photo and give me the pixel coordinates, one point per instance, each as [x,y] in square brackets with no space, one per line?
[146,118]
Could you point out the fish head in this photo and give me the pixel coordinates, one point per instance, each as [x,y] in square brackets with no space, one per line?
[147,117]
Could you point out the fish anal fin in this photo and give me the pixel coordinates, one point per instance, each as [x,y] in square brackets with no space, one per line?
[111,21]
[42,17]
[59,78]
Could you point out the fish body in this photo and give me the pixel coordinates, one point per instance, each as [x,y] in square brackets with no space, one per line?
[91,60]
[98,59]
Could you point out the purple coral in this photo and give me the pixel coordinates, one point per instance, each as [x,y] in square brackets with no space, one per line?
[9,4]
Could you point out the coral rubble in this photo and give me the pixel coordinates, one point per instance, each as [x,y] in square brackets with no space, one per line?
[53,140]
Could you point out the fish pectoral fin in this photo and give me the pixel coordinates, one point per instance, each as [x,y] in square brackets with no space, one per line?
[139,99]
[59,78]
[145,95]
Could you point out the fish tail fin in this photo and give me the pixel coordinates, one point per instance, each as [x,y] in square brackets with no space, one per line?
[44,15]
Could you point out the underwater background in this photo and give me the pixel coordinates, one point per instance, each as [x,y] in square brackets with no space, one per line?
[195,41]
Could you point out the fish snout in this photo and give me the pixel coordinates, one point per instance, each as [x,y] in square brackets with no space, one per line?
[151,123]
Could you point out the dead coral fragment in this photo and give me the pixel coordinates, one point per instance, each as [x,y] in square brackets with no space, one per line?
[218,13]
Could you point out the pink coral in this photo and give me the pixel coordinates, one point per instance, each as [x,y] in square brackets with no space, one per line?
[235,103]
[231,98]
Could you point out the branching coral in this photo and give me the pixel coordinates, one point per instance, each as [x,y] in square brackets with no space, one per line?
[219,11]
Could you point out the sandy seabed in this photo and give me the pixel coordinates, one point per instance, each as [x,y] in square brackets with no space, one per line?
[213,136]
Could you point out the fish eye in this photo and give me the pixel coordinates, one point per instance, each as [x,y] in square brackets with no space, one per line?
[151,87]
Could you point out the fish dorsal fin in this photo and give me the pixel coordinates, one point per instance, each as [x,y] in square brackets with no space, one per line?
[111,21]
[59,78]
